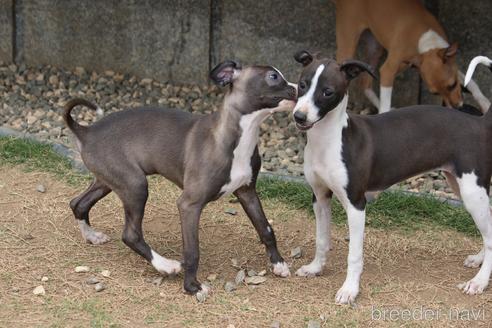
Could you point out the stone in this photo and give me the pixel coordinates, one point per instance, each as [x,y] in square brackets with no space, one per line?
[255,280]
[251,273]
[212,277]
[230,211]
[296,253]
[105,273]
[92,281]
[44,279]
[157,281]
[39,291]
[314,324]
[31,119]
[275,324]
[262,273]
[230,286]
[240,276]
[40,188]
[53,80]
[81,269]
[99,287]
[201,296]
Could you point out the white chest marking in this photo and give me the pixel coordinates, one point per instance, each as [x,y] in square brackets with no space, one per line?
[431,40]
[323,154]
[241,171]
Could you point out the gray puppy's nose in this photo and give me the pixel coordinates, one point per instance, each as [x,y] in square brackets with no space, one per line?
[300,117]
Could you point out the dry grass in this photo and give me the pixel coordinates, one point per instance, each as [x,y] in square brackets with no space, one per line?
[38,237]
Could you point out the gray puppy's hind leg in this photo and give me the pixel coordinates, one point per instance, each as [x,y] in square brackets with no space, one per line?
[81,207]
[134,197]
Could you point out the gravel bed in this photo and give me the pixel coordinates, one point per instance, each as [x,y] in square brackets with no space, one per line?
[33,97]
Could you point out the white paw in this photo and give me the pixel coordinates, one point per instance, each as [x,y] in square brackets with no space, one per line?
[281,269]
[165,266]
[473,287]
[309,270]
[97,238]
[205,288]
[347,294]
[92,236]
[473,261]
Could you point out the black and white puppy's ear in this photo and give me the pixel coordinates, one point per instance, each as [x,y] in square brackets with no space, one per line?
[352,69]
[303,57]
[225,73]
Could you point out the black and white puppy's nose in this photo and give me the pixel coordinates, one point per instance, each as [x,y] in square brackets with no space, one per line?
[300,117]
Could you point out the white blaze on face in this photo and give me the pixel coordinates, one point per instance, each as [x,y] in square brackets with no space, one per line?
[306,103]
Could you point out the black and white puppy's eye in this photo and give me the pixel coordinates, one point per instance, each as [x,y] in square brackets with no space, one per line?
[302,85]
[273,76]
[327,92]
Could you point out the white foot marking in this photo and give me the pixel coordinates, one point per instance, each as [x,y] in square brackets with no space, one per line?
[163,265]
[371,95]
[310,270]
[474,260]
[385,99]
[348,293]
[476,201]
[281,269]
[473,287]
[92,236]
[350,288]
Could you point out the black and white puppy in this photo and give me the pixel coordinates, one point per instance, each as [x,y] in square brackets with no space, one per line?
[349,155]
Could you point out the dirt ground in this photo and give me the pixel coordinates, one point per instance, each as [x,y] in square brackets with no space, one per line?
[404,271]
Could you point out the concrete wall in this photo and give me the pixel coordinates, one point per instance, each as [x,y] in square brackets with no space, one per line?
[157,38]
[6,30]
[180,41]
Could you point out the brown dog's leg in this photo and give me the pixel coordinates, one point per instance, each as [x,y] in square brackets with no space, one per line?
[387,72]
[373,53]
[347,35]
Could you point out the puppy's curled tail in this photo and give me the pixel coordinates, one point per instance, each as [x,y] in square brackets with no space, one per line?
[76,128]
[473,64]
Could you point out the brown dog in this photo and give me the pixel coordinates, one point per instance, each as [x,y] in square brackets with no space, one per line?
[412,36]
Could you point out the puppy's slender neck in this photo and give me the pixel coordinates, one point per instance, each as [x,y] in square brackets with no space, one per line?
[228,117]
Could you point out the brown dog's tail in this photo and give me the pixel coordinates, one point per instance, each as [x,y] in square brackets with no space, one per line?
[76,128]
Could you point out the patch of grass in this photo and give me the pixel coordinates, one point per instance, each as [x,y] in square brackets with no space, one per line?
[391,210]
[298,195]
[99,317]
[37,156]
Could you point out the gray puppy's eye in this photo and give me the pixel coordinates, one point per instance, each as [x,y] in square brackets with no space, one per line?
[327,93]
[273,76]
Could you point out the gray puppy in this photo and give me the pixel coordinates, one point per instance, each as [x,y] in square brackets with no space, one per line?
[208,156]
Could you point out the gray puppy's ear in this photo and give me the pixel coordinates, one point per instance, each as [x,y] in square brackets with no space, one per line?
[225,72]
[303,57]
[352,69]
